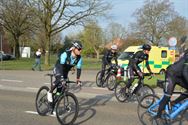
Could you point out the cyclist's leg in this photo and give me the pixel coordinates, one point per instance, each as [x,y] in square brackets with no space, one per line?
[138,86]
[141,77]
[102,71]
[183,84]
[171,82]
[130,74]
[57,73]
[185,74]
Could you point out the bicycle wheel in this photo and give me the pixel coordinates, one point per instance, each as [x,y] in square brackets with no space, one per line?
[144,90]
[144,116]
[98,79]
[41,101]
[111,81]
[121,91]
[183,118]
[67,109]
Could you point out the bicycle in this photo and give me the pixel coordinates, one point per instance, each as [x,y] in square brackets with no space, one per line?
[122,93]
[109,79]
[173,113]
[64,103]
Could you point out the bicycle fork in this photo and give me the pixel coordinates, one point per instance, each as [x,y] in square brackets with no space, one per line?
[66,103]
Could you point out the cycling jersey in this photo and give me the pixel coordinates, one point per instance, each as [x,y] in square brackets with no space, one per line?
[137,58]
[107,60]
[66,62]
[133,67]
[108,56]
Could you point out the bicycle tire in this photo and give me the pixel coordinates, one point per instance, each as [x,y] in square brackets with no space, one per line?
[41,100]
[98,80]
[71,109]
[111,81]
[183,118]
[144,90]
[120,91]
[143,115]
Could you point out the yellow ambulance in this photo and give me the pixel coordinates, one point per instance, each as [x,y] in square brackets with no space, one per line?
[159,58]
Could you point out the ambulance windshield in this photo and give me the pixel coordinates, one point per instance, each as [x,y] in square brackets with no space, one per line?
[125,55]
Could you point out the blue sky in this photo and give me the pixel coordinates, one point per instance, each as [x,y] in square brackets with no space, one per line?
[123,9]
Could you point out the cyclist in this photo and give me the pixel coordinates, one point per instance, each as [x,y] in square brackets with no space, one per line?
[64,64]
[175,74]
[107,60]
[133,67]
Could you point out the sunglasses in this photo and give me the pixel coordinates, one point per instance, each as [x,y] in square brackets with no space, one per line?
[79,49]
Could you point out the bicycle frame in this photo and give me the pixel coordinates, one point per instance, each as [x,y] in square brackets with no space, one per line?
[170,113]
[140,84]
[107,72]
[65,89]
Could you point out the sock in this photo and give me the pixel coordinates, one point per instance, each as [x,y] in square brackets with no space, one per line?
[49,96]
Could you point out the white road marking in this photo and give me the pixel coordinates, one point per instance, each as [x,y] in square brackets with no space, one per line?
[8,80]
[100,88]
[31,88]
[47,83]
[35,113]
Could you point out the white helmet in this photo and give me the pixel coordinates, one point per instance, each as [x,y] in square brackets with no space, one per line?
[114,47]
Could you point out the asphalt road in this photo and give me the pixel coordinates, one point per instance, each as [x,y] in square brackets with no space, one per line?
[98,106]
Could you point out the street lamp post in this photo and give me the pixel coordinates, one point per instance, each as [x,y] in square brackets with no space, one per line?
[1,48]
[1,51]
[1,42]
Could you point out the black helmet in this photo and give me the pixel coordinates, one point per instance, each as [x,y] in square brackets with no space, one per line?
[77,44]
[146,47]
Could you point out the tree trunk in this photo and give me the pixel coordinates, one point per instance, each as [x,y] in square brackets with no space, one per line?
[97,52]
[47,53]
[17,46]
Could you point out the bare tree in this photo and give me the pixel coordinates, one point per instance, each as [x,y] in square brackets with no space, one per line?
[153,19]
[115,30]
[57,15]
[177,27]
[16,19]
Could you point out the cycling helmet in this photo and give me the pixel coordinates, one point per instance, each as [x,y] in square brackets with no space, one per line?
[77,44]
[114,47]
[146,47]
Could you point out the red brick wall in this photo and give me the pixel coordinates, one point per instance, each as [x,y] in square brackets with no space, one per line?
[5,45]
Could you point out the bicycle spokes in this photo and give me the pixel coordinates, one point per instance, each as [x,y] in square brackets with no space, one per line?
[67,109]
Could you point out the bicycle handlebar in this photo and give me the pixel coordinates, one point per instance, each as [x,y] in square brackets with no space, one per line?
[51,75]
[162,84]
[150,77]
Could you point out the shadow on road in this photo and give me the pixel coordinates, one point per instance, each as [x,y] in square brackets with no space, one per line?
[87,110]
